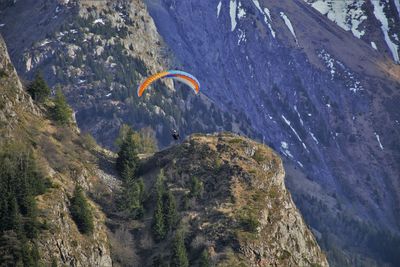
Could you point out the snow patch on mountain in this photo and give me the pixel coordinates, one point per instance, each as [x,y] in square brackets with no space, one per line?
[268,13]
[298,114]
[101,21]
[374,46]
[380,15]
[347,14]
[285,149]
[300,164]
[241,12]
[219,8]
[339,71]
[397,3]
[241,36]
[44,42]
[257,4]
[314,138]
[329,62]
[288,24]
[232,13]
[294,131]
[379,140]
[267,16]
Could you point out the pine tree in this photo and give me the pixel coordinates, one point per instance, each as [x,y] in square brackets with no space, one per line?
[159,227]
[159,230]
[205,260]
[31,226]
[145,139]
[134,195]
[170,211]
[62,112]
[160,187]
[179,254]
[80,211]
[54,262]
[20,182]
[30,255]
[38,88]
[196,187]
[10,249]
[127,160]
[9,213]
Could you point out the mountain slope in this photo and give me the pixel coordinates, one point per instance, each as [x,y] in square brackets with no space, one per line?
[100,51]
[242,215]
[245,215]
[61,157]
[375,22]
[275,70]
[321,97]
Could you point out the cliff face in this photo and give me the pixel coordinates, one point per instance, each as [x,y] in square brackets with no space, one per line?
[245,214]
[12,96]
[59,152]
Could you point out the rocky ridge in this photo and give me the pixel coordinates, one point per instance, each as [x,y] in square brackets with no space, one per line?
[245,215]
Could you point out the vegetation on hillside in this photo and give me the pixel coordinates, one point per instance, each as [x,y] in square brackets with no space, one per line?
[179,255]
[127,161]
[61,112]
[144,139]
[131,143]
[81,211]
[25,190]
[21,179]
[165,218]
[38,88]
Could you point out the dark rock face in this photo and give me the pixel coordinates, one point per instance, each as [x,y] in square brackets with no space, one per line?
[321,97]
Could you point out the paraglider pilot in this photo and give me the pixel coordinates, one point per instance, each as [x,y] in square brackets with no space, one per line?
[175,134]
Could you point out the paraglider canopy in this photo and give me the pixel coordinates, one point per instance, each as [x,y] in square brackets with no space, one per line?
[178,75]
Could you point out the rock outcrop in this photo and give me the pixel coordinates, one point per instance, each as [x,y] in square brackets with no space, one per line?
[12,95]
[245,215]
